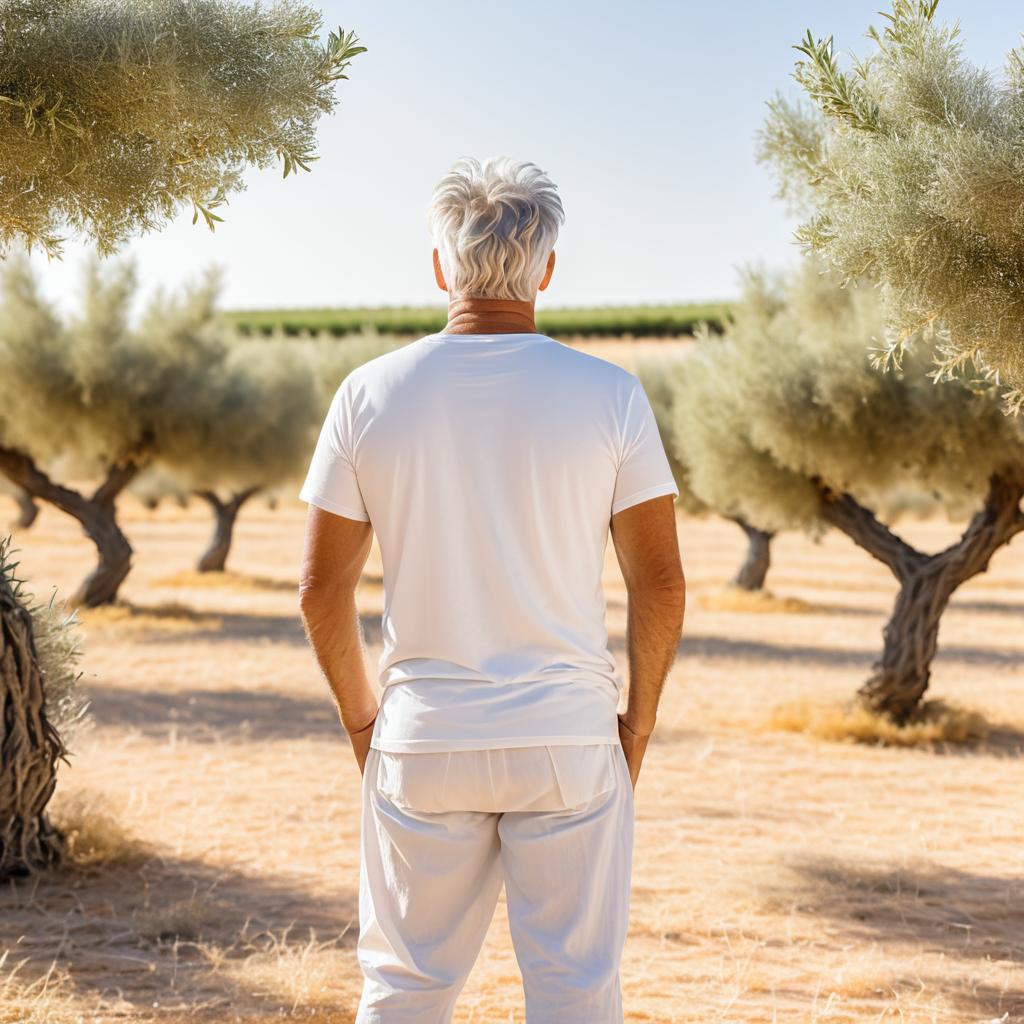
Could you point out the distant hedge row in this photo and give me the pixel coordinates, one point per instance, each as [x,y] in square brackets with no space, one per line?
[598,322]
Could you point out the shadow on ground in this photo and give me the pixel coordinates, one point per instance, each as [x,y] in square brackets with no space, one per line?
[215,716]
[940,909]
[712,647]
[170,933]
[959,912]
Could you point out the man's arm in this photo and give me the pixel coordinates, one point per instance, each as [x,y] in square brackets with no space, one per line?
[335,552]
[647,547]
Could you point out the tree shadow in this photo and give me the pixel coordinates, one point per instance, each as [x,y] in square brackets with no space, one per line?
[215,716]
[940,909]
[174,933]
[961,913]
[732,648]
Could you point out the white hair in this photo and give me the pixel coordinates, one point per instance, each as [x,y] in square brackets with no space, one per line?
[494,225]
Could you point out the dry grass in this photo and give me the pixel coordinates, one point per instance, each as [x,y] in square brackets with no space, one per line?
[94,836]
[758,602]
[936,723]
[779,878]
[43,1000]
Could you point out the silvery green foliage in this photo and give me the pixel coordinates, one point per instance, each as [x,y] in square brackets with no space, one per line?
[256,421]
[333,358]
[99,386]
[116,114]
[660,377]
[58,644]
[58,650]
[254,424]
[174,385]
[786,408]
[909,167]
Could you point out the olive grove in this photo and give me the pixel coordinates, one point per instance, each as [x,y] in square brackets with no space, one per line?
[909,169]
[784,422]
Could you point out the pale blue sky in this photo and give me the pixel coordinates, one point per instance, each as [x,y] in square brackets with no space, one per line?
[643,113]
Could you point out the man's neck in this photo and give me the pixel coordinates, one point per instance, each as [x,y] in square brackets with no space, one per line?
[490,316]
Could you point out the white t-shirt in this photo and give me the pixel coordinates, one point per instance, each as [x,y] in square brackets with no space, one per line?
[490,467]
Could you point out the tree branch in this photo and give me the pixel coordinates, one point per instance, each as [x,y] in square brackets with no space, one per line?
[860,524]
[117,479]
[22,470]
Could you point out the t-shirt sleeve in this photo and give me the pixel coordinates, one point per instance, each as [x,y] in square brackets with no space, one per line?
[643,472]
[331,482]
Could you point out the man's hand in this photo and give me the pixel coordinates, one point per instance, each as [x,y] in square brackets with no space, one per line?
[360,740]
[634,746]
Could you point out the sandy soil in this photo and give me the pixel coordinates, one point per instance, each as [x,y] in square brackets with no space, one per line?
[778,877]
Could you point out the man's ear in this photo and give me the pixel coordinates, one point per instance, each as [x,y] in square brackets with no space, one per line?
[547,273]
[438,275]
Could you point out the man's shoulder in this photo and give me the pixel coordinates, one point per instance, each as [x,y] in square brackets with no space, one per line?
[587,366]
[387,365]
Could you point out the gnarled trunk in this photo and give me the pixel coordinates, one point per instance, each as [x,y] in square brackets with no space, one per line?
[99,521]
[96,514]
[29,746]
[215,557]
[27,509]
[754,570]
[900,677]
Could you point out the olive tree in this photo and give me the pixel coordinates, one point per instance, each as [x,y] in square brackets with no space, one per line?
[910,169]
[661,379]
[256,423]
[102,395]
[784,422]
[40,708]
[263,413]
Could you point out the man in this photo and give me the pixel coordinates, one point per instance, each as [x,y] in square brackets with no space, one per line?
[491,462]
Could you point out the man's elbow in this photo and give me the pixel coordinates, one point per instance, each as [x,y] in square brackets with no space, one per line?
[668,581]
[317,595]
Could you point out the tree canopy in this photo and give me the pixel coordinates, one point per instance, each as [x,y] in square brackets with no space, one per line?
[909,169]
[786,406]
[116,114]
[784,423]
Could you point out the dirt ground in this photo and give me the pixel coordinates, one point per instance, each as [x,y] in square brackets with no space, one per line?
[778,877]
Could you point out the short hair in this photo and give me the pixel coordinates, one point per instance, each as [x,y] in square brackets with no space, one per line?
[494,224]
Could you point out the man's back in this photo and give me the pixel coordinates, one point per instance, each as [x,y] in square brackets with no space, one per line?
[493,463]
[489,467]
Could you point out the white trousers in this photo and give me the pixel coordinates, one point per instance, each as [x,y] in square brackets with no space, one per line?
[440,832]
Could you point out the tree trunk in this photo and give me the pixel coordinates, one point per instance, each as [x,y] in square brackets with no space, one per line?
[29,746]
[99,521]
[752,572]
[215,557]
[96,514]
[27,509]
[900,677]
